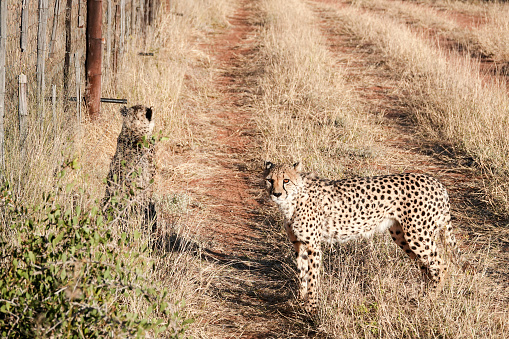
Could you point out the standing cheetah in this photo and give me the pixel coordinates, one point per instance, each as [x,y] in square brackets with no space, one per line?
[414,207]
[132,168]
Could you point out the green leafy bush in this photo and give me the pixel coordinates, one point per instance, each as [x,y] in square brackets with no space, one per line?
[63,273]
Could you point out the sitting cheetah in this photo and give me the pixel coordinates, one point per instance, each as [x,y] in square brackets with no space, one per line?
[412,206]
[132,168]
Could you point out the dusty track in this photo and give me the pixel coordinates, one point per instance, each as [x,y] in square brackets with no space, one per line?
[252,295]
[404,148]
[455,41]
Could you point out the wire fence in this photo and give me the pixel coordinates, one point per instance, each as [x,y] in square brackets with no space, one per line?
[42,59]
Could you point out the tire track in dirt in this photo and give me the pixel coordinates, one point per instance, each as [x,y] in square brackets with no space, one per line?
[403,148]
[459,40]
[250,295]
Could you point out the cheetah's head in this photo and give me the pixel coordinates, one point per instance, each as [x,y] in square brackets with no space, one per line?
[138,121]
[282,181]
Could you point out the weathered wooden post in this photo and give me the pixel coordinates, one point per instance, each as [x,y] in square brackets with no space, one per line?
[3,38]
[148,12]
[24,24]
[142,16]
[115,41]
[108,38]
[54,29]
[77,68]
[22,111]
[41,55]
[93,62]
[122,27]
[54,104]
[67,59]
[133,16]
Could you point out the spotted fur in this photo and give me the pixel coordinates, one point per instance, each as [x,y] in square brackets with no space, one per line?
[132,168]
[413,207]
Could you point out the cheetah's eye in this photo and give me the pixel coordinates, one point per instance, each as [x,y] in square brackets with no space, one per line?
[270,181]
[286,181]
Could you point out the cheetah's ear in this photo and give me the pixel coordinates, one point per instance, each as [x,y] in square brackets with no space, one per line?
[148,113]
[297,167]
[123,111]
[268,165]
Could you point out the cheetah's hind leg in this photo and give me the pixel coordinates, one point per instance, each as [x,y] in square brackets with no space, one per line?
[150,216]
[424,250]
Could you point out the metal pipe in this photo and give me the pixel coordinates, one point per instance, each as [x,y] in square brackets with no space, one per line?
[93,61]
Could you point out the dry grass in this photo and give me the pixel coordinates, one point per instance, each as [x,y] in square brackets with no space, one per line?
[371,289]
[468,26]
[451,100]
[306,110]
[156,81]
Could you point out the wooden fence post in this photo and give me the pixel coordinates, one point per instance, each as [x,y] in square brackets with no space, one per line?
[54,103]
[77,63]
[122,27]
[67,59]
[41,54]
[133,16]
[108,37]
[115,42]
[93,60]
[24,24]
[147,12]
[54,29]
[3,37]
[22,111]
[142,16]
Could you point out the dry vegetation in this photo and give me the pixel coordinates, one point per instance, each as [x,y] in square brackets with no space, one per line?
[156,81]
[371,290]
[467,26]
[304,108]
[451,99]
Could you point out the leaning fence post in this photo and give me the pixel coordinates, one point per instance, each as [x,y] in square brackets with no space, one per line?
[54,29]
[67,58]
[41,53]
[3,37]
[22,111]
[54,103]
[78,85]
[24,24]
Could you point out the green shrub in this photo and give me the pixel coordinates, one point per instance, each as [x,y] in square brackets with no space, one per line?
[63,273]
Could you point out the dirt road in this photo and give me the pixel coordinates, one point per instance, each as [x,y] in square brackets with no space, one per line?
[253,295]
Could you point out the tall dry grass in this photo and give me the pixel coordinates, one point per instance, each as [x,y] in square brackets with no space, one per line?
[306,110]
[450,98]
[370,289]
[468,25]
[157,81]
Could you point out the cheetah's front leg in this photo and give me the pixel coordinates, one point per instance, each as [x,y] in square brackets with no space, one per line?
[313,278]
[302,261]
[303,268]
